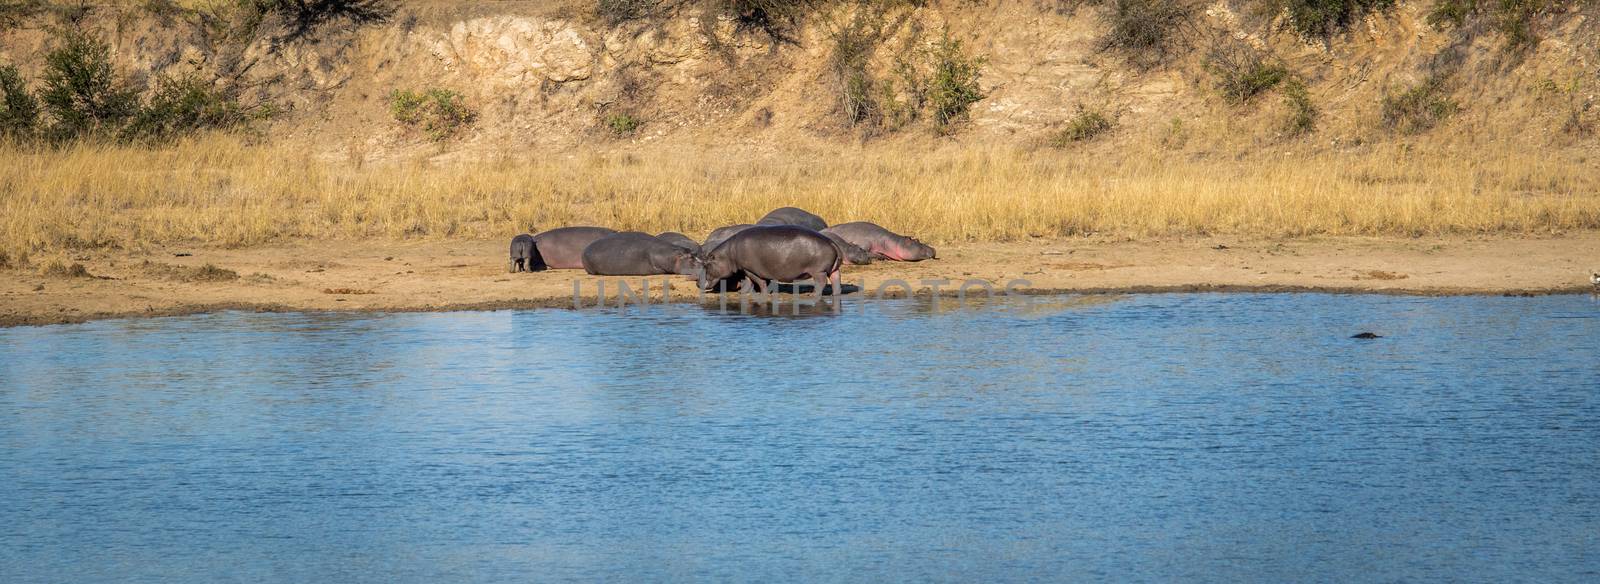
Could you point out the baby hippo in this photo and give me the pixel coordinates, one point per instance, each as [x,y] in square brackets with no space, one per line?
[782,253]
[562,249]
[638,254]
[883,243]
[794,216]
[521,254]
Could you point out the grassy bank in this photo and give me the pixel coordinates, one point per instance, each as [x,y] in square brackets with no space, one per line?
[221,190]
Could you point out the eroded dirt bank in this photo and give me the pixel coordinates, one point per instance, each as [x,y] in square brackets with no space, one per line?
[470,275]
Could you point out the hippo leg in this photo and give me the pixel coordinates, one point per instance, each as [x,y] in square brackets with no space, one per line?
[838,283]
[512,266]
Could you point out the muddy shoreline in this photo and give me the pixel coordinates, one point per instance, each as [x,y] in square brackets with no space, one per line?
[440,276]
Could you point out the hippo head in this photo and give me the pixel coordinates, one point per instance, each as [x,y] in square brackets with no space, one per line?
[908,249]
[716,268]
[688,264]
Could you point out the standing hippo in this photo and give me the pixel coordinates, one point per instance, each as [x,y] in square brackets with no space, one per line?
[794,216]
[562,249]
[722,234]
[782,253]
[853,255]
[883,243]
[638,254]
[521,254]
[680,240]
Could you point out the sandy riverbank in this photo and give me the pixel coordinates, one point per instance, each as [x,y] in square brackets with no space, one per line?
[470,275]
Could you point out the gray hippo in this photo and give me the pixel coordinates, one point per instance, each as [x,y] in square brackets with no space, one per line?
[562,249]
[638,254]
[680,240]
[794,216]
[521,254]
[884,243]
[722,234]
[853,255]
[780,253]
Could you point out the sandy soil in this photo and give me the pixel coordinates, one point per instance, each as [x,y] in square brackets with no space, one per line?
[470,275]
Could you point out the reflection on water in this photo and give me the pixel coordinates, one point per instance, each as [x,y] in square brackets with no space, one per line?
[1168,437]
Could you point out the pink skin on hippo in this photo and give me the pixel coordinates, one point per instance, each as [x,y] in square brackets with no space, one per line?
[782,253]
[638,254]
[883,243]
[562,249]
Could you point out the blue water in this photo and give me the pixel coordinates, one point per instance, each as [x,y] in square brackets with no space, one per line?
[1162,437]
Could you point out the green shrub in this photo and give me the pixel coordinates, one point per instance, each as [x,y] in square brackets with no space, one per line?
[1303,113]
[848,62]
[82,92]
[1513,19]
[19,109]
[183,106]
[1419,108]
[953,86]
[1087,125]
[1324,18]
[440,113]
[1243,73]
[1146,31]
[623,124]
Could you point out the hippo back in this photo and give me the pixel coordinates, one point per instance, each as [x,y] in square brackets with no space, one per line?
[794,216]
[636,254]
[780,253]
[680,240]
[721,234]
[562,248]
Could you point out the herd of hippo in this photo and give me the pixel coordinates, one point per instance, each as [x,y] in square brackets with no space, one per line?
[787,245]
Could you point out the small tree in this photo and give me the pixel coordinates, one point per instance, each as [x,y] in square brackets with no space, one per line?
[19,110]
[953,86]
[181,106]
[81,90]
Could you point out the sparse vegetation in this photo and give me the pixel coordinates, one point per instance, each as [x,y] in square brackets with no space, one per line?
[1513,19]
[622,124]
[59,269]
[206,273]
[1303,113]
[1324,18]
[1419,108]
[439,113]
[1088,124]
[941,81]
[183,106]
[1146,31]
[848,62]
[618,11]
[1242,72]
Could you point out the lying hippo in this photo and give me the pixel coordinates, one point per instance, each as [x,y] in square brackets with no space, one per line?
[521,254]
[853,255]
[679,240]
[883,243]
[722,234]
[794,216]
[782,253]
[562,249]
[638,254]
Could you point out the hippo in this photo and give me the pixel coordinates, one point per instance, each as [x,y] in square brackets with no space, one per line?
[521,254]
[680,240]
[794,216]
[562,249]
[722,234]
[883,243]
[852,255]
[779,253]
[638,254]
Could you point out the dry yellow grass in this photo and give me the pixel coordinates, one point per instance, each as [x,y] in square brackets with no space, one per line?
[221,190]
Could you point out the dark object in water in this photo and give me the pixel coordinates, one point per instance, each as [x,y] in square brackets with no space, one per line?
[1367,336]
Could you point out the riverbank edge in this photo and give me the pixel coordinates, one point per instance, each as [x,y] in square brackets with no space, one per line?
[590,302]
